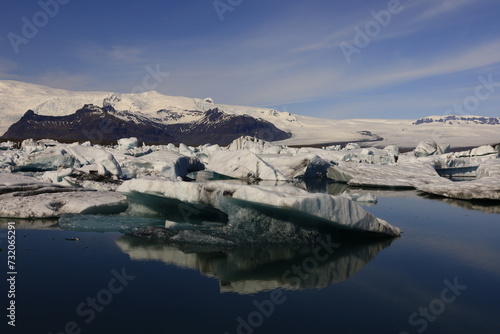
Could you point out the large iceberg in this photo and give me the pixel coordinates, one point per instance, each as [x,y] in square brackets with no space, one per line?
[486,186]
[69,156]
[26,197]
[243,164]
[391,176]
[314,210]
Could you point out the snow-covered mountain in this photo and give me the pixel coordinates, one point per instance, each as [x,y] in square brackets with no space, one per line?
[102,125]
[18,97]
[454,120]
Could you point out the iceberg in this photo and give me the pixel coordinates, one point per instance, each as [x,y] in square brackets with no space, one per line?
[297,166]
[389,176]
[161,163]
[240,202]
[243,164]
[69,156]
[26,197]
[485,187]
[126,144]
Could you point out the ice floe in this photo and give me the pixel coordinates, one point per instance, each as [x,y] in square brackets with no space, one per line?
[318,209]
[486,186]
[390,176]
[26,197]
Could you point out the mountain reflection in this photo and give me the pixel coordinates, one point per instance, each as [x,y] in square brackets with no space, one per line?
[251,270]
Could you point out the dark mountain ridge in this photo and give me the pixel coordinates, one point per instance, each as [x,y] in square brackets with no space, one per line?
[98,125]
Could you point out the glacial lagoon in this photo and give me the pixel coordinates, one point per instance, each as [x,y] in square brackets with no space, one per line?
[440,276]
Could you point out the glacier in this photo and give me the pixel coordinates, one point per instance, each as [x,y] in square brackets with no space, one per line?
[18,97]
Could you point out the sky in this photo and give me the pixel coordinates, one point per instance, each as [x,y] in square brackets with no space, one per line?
[323,58]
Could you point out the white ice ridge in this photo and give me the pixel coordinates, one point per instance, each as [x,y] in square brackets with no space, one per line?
[391,176]
[336,211]
[486,186]
[26,197]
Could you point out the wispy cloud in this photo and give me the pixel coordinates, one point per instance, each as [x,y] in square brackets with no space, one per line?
[448,63]
[115,54]
[442,7]
[64,80]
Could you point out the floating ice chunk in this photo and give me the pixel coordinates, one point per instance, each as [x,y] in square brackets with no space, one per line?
[50,159]
[333,148]
[392,151]
[69,156]
[352,146]
[11,179]
[486,186]
[399,176]
[170,224]
[330,210]
[430,147]
[49,202]
[30,146]
[298,166]
[339,211]
[163,163]
[425,148]
[126,144]
[105,161]
[483,150]
[8,145]
[254,145]
[243,164]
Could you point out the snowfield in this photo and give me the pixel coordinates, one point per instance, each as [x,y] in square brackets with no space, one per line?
[465,131]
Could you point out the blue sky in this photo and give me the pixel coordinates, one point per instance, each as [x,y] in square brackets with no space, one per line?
[421,58]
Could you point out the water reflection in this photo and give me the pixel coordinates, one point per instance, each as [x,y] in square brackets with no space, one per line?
[251,270]
[33,224]
[489,207]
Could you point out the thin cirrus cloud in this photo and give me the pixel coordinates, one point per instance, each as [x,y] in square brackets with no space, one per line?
[261,59]
[63,79]
[89,52]
[442,7]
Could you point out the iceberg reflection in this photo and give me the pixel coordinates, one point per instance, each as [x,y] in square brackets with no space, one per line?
[247,270]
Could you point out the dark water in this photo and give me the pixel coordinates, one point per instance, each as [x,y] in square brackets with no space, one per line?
[443,273]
